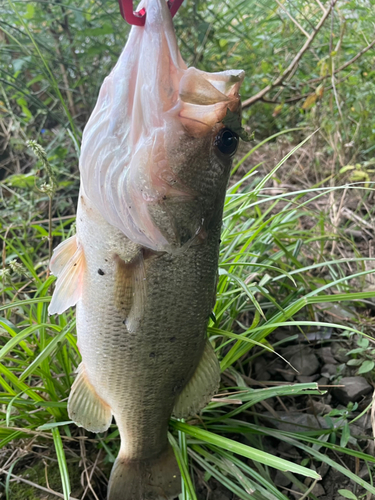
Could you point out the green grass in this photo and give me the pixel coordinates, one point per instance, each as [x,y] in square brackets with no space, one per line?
[265,282]
[274,271]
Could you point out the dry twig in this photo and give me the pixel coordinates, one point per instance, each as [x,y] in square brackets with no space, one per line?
[320,5]
[344,66]
[285,76]
[292,19]
[257,97]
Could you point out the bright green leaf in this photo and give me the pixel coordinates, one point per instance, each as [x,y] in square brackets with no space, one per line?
[366,367]
[348,494]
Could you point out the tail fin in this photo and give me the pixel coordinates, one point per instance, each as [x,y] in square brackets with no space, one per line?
[155,479]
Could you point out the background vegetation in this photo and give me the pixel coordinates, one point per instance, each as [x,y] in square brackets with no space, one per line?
[297,240]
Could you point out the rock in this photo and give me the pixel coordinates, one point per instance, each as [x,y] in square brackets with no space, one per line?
[288,374]
[218,491]
[282,335]
[328,370]
[288,450]
[301,422]
[281,479]
[354,389]
[364,422]
[275,366]
[364,473]
[323,469]
[319,408]
[296,422]
[304,379]
[295,492]
[318,490]
[328,398]
[325,354]
[221,496]
[322,381]
[340,315]
[271,402]
[264,376]
[339,352]
[305,361]
[357,432]
[260,372]
[288,351]
[317,335]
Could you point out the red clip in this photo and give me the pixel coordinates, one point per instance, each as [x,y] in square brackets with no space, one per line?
[139,18]
[174,5]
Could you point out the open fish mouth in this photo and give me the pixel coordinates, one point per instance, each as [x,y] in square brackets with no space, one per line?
[206,97]
[148,103]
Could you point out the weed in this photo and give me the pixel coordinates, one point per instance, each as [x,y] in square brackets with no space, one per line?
[264,283]
[284,257]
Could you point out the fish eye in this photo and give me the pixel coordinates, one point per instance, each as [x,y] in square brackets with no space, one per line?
[226,141]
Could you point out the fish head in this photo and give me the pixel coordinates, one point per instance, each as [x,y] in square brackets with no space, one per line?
[199,149]
[157,150]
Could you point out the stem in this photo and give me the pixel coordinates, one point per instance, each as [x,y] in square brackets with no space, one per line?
[257,97]
[50,238]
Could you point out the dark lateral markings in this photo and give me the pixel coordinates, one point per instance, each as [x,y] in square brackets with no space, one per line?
[102,273]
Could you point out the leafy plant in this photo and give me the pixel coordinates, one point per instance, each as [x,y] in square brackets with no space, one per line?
[276,270]
[262,257]
[348,494]
[359,172]
[362,356]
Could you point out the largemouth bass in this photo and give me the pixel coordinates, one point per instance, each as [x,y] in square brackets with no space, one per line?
[142,268]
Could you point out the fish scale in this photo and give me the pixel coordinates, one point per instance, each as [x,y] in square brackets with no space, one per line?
[146,372]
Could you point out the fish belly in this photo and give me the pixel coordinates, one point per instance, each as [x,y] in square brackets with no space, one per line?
[140,371]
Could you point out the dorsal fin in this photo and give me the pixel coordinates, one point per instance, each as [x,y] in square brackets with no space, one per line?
[131,278]
[62,254]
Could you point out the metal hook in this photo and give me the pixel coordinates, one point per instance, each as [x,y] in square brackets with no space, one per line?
[139,18]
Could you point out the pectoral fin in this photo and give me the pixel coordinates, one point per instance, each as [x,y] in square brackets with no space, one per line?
[62,254]
[131,288]
[67,264]
[138,289]
[85,407]
[201,387]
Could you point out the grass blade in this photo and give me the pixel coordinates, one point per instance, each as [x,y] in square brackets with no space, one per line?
[62,462]
[47,350]
[243,450]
